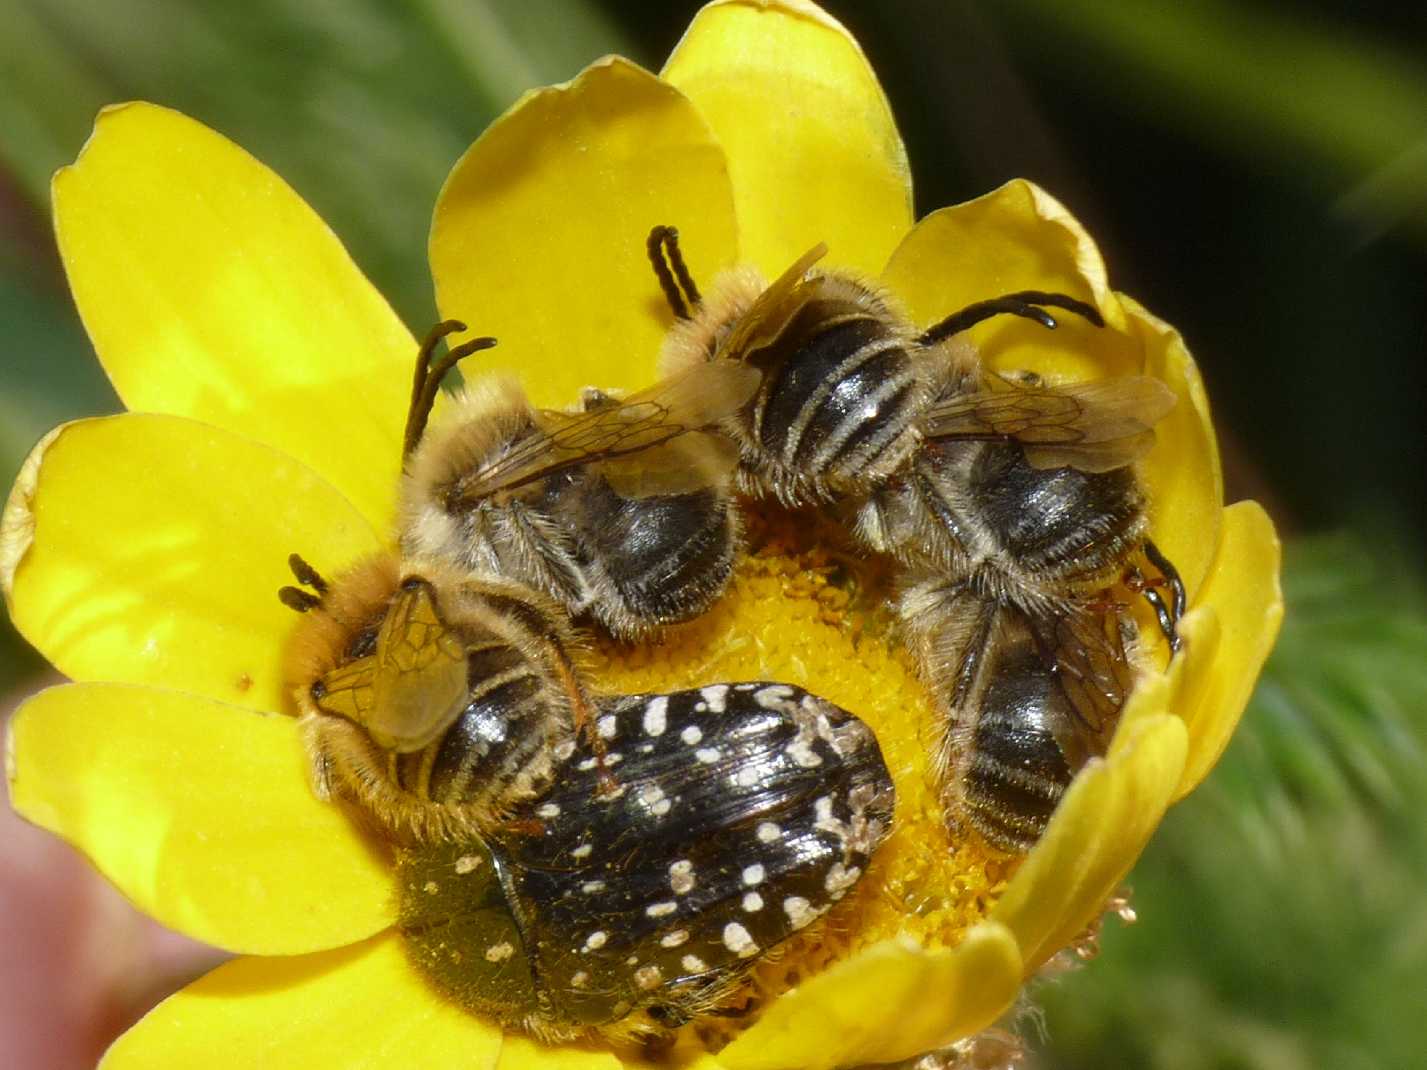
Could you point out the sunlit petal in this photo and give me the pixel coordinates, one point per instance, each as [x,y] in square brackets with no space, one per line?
[1181,474]
[1097,833]
[149,549]
[1015,238]
[812,147]
[1243,592]
[891,1001]
[357,1007]
[211,290]
[200,813]
[539,232]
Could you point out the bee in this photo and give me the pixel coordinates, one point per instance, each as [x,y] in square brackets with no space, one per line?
[432,699]
[1011,506]
[619,511]
[1028,700]
[844,376]
[744,813]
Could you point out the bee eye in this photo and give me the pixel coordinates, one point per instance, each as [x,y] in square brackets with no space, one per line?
[318,691]
[412,583]
[363,643]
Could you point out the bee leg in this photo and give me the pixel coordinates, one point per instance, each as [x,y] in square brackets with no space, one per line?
[667,260]
[976,646]
[1135,580]
[1171,576]
[427,378]
[1023,303]
[294,597]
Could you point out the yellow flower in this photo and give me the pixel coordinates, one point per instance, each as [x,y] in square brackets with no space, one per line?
[266,386]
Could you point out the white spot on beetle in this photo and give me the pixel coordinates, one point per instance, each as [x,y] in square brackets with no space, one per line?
[647,977]
[707,755]
[840,878]
[548,810]
[801,751]
[768,832]
[579,979]
[693,964]
[499,952]
[591,887]
[716,695]
[675,938]
[799,911]
[655,715]
[467,864]
[737,940]
[681,876]
[652,796]
[772,696]
[596,940]
[692,734]
[607,726]
[752,902]
[753,875]
[659,910]
[582,851]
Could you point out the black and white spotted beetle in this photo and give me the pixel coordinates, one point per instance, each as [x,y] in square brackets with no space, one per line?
[742,813]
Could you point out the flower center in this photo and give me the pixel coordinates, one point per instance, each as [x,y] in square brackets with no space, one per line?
[805,608]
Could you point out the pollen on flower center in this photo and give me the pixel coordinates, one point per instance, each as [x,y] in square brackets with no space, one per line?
[802,611]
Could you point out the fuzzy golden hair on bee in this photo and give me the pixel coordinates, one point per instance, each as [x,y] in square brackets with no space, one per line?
[693,341]
[391,660]
[351,609]
[485,416]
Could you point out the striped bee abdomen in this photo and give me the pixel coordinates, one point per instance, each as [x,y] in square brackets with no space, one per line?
[837,402]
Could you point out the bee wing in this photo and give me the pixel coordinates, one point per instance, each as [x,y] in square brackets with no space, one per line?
[775,306]
[419,679]
[1094,670]
[1095,426]
[349,691]
[694,399]
[688,463]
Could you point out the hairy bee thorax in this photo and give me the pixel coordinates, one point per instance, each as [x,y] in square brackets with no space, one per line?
[841,385]
[433,699]
[589,536]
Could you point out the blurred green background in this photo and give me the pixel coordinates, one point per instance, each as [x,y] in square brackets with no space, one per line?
[1255,172]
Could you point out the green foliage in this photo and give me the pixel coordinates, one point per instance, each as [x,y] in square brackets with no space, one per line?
[1283,923]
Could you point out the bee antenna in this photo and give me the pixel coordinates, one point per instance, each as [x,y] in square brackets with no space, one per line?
[1021,304]
[673,274]
[305,574]
[297,599]
[427,379]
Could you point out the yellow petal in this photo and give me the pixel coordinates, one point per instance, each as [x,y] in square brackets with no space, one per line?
[211,290]
[538,236]
[1015,238]
[1243,591]
[1099,830]
[149,549]
[1182,473]
[892,1001]
[200,813]
[812,147]
[522,1053]
[358,1007]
